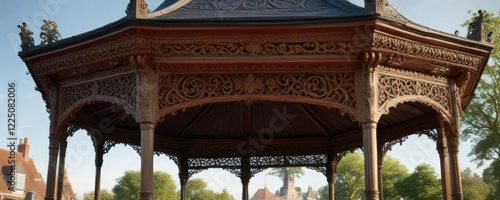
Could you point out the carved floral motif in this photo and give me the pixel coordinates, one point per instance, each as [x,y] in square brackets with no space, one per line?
[101,52]
[414,49]
[122,87]
[332,45]
[391,87]
[337,88]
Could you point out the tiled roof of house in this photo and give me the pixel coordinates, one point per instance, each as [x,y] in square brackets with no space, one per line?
[34,181]
[263,194]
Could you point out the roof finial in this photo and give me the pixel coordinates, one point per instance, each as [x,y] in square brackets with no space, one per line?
[374,6]
[137,9]
[26,37]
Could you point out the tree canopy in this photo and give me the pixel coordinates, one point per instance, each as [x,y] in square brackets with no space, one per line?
[294,172]
[105,195]
[473,186]
[128,186]
[481,122]
[350,178]
[196,189]
[392,172]
[421,184]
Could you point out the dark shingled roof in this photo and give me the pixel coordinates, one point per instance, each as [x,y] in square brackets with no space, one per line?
[259,9]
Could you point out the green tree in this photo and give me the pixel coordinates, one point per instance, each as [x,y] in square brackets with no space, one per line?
[473,187]
[350,178]
[105,195]
[392,172]
[482,117]
[323,193]
[421,184]
[196,189]
[128,186]
[281,172]
[491,176]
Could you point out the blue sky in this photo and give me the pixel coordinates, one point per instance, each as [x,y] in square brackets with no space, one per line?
[77,16]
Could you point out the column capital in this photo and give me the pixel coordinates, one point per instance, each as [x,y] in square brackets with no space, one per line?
[147,89]
[367,89]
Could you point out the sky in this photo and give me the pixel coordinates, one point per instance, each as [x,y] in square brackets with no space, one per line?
[76,16]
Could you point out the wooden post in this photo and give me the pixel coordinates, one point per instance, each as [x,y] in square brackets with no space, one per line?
[99,153]
[147,149]
[442,148]
[62,158]
[368,115]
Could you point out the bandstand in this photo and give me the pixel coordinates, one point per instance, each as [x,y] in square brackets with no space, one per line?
[245,85]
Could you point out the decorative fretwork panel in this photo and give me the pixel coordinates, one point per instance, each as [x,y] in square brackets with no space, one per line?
[200,163]
[424,51]
[331,45]
[335,87]
[391,87]
[122,87]
[102,52]
[299,160]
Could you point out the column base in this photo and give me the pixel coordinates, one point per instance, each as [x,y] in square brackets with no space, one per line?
[371,194]
[146,196]
[457,196]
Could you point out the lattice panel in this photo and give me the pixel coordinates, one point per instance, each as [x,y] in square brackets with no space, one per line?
[213,162]
[278,161]
[252,46]
[335,87]
[391,87]
[122,87]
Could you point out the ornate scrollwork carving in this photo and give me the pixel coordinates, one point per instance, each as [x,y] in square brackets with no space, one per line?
[335,87]
[387,146]
[49,32]
[430,133]
[366,88]
[391,87]
[92,76]
[332,45]
[423,51]
[72,128]
[103,52]
[147,88]
[108,145]
[230,162]
[122,87]
[396,86]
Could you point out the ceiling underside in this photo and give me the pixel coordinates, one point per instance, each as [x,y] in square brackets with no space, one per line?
[272,127]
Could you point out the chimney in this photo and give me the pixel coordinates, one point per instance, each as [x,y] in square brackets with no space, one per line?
[24,148]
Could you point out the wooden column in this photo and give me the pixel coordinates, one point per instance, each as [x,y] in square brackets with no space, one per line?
[62,159]
[381,155]
[368,115]
[371,163]
[147,108]
[147,149]
[245,176]
[51,171]
[442,148]
[54,142]
[456,181]
[99,153]
[453,141]
[331,172]
[183,175]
